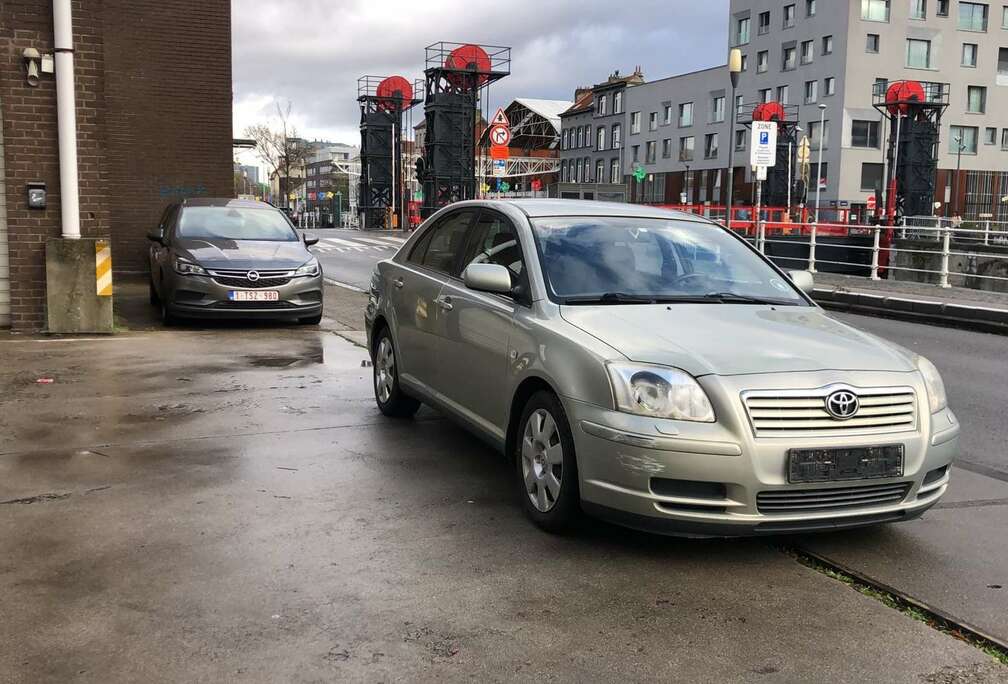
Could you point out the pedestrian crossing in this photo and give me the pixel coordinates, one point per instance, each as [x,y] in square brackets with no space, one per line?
[357,244]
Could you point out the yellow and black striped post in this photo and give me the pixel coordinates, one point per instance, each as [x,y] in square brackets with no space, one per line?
[103,268]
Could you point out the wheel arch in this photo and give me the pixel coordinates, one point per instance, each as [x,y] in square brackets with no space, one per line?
[525,390]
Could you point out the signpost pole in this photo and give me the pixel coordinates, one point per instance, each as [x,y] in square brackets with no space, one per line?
[759,221]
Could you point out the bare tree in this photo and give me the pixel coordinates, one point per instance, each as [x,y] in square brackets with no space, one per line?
[281,150]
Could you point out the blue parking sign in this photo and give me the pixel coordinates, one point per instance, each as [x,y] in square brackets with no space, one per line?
[764,138]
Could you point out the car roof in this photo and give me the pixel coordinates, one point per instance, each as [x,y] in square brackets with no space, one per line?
[539,208]
[225,202]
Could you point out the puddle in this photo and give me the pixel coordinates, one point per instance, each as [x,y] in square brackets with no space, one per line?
[285,361]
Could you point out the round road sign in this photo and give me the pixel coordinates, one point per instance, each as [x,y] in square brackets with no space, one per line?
[500,135]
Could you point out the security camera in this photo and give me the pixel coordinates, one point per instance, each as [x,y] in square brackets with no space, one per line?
[32,58]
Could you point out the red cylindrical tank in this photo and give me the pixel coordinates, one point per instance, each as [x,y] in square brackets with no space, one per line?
[394,94]
[901,94]
[468,57]
[769,111]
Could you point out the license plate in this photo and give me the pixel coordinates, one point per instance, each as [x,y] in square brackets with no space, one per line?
[253,296]
[836,464]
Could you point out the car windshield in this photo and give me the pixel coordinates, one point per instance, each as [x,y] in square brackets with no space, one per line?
[612,260]
[234,223]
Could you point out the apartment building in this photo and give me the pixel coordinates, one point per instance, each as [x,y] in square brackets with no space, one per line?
[813,53]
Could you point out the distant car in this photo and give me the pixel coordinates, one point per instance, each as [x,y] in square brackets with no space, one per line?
[228,258]
[652,368]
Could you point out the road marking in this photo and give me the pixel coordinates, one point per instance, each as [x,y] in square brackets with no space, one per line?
[372,241]
[344,243]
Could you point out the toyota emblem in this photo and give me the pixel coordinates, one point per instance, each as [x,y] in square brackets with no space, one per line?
[842,404]
[253,276]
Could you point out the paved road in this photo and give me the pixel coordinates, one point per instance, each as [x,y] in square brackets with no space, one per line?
[349,256]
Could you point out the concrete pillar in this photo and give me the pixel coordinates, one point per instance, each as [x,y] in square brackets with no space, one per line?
[79,285]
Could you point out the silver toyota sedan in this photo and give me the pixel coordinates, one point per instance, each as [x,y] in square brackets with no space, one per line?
[651,368]
[232,258]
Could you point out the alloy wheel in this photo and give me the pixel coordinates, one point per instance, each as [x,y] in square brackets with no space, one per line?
[542,460]
[384,369]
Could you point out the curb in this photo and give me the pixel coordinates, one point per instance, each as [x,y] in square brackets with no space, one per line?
[960,316]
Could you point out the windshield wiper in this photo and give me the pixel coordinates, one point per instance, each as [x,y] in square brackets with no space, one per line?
[611,298]
[735,298]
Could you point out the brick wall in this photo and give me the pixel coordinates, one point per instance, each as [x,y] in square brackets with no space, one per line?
[153,82]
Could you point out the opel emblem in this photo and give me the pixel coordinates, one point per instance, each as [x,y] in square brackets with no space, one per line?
[253,276]
[842,404]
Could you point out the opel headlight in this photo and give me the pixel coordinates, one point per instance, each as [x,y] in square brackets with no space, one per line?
[933,383]
[659,392]
[310,268]
[188,268]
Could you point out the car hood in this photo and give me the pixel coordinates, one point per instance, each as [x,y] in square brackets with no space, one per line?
[242,254]
[736,339]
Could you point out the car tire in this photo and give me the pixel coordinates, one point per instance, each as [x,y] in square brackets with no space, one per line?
[311,320]
[546,465]
[152,294]
[391,400]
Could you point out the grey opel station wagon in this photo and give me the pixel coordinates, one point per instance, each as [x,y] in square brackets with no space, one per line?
[651,368]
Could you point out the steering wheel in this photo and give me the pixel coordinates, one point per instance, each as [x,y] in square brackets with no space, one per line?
[688,276]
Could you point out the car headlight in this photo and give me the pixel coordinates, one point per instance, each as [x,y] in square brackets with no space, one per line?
[659,392]
[188,268]
[933,382]
[310,268]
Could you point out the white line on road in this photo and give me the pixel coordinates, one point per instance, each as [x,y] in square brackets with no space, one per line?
[371,241]
[344,243]
[345,286]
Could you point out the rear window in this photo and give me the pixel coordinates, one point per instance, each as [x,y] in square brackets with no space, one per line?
[235,223]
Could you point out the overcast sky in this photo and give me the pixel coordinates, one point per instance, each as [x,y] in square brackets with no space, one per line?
[312,52]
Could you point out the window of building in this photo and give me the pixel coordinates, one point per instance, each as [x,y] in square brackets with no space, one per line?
[616,131]
[1002,71]
[634,122]
[872,43]
[600,138]
[865,133]
[738,106]
[789,16]
[711,146]
[990,136]
[617,103]
[580,137]
[810,8]
[635,153]
[653,121]
[717,108]
[827,45]
[813,134]
[745,62]
[918,53]
[964,137]
[1004,138]
[942,9]
[762,61]
[600,171]
[783,94]
[765,94]
[742,32]
[668,114]
[666,148]
[788,62]
[601,109]
[811,92]
[1004,17]
[972,16]
[918,9]
[875,10]
[871,176]
[650,150]
[587,170]
[829,86]
[685,114]
[740,140]
[976,99]
[807,52]
[764,23]
[563,170]
[686,148]
[969,55]
[614,174]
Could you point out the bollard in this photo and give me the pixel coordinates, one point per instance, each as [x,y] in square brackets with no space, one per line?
[875,254]
[811,250]
[946,239]
[760,235]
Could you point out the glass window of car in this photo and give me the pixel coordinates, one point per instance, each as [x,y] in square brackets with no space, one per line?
[496,242]
[612,259]
[235,223]
[446,242]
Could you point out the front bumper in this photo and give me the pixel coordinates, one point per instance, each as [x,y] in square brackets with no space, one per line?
[706,479]
[205,297]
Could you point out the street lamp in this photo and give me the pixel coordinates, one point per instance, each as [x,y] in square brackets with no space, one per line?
[954,204]
[818,180]
[734,69]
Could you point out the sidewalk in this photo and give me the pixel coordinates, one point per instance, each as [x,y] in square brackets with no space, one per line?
[955,306]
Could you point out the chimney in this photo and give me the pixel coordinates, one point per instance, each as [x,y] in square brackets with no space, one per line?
[581,92]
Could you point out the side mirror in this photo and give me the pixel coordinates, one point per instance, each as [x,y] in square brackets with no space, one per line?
[155,236]
[803,280]
[487,278]
[310,241]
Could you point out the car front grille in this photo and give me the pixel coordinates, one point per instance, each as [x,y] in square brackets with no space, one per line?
[262,283]
[803,412]
[833,499]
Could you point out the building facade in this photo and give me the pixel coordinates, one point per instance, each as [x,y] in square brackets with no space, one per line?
[153,115]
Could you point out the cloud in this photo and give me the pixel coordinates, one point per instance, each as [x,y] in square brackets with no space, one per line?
[311,52]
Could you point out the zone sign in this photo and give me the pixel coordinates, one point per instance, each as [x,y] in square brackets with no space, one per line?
[500,135]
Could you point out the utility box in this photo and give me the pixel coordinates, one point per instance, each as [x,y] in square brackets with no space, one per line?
[79,285]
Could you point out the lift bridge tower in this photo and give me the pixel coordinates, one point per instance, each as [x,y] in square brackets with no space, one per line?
[457,81]
[383,104]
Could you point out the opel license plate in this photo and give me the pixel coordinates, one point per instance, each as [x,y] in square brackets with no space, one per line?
[253,296]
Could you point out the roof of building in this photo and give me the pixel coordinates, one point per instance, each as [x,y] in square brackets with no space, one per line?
[548,109]
[584,103]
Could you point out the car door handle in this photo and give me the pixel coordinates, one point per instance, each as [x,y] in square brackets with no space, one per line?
[445,303]
[398,282]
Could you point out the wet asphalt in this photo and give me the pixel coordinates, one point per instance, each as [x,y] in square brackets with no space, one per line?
[228,504]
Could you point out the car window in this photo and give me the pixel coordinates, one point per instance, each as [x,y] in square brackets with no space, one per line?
[495,241]
[447,241]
